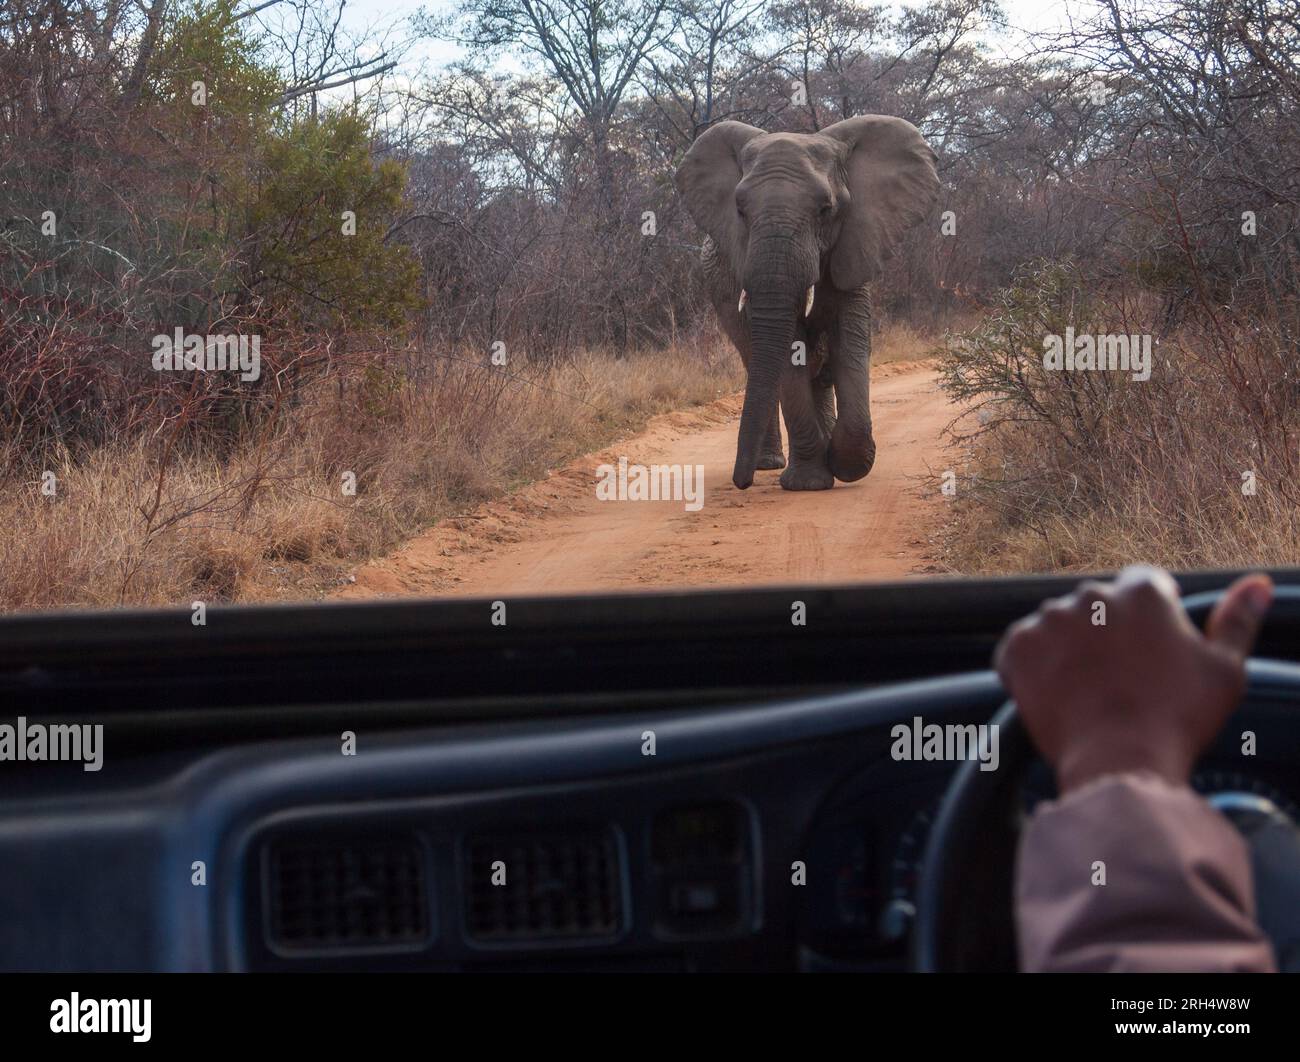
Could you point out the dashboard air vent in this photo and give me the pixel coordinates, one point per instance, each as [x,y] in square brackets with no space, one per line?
[544,886]
[355,894]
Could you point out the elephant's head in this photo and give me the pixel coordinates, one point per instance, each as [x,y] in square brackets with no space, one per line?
[789,211]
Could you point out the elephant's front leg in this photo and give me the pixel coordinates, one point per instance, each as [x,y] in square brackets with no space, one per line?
[824,400]
[852,448]
[803,420]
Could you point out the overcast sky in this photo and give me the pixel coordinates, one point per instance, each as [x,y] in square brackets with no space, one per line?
[1026,16]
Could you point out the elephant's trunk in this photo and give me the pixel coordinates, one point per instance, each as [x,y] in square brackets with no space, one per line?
[771,327]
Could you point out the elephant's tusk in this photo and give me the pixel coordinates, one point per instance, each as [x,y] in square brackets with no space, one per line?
[807,305]
[744,298]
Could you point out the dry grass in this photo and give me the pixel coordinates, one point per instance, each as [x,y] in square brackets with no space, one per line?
[425,439]
[1196,467]
[1170,516]
[272,521]
[899,342]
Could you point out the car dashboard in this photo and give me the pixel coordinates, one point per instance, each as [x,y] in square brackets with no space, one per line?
[706,826]
[776,837]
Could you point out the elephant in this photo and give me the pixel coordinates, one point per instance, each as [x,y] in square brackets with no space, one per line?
[797,225]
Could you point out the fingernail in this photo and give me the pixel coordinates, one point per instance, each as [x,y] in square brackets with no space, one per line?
[1259,596]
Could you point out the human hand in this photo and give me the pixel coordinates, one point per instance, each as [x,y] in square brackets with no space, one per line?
[1142,689]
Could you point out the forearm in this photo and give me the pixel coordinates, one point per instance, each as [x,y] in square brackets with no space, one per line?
[1132,873]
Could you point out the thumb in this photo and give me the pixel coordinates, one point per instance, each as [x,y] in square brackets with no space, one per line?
[1234,624]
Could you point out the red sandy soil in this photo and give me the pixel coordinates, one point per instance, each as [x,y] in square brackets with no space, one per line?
[555,536]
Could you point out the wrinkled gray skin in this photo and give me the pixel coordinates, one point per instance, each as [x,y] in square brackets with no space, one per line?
[783,212]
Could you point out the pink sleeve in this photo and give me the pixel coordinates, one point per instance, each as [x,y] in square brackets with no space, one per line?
[1177,893]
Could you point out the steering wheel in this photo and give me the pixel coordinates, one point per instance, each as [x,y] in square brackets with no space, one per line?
[965,919]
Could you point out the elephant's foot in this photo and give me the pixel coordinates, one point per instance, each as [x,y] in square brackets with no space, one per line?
[851,458]
[807,475]
[771,459]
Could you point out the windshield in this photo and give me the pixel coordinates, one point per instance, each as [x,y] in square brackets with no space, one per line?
[301,302]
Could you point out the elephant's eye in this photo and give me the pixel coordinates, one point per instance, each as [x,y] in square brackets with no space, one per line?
[825,211]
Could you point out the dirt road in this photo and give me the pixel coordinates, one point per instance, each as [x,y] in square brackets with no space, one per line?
[556,536]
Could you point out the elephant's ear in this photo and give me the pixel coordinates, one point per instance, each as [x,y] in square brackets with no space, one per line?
[892,185]
[707,180]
